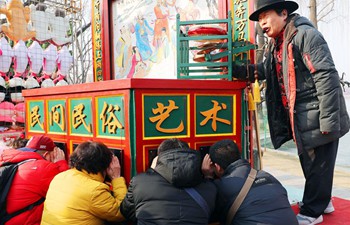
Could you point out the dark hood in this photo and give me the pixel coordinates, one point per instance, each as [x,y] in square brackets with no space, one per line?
[180,167]
[295,21]
[300,20]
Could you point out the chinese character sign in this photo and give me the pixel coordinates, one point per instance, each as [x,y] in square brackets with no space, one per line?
[215,115]
[165,115]
[110,116]
[242,27]
[35,116]
[97,40]
[80,111]
[57,116]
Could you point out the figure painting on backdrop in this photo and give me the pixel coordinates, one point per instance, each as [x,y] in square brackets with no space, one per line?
[138,67]
[164,44]
[151,27]
[124,51]
[163,48]
[142,32]
[189,12]
[161,12]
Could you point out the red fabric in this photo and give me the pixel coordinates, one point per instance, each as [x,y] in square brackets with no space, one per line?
[339,217]
[206,30]
[309,63]
[30,183]
[279,72]
[292,86]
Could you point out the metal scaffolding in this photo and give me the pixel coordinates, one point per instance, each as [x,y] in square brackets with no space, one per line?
[73,10]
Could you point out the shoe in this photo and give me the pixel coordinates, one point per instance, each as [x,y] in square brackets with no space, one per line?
[307,220]
[330,208]
[300,204]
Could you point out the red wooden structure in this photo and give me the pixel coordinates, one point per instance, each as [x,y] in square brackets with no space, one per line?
[133,116]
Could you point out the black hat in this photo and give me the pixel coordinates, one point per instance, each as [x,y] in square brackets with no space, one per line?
[263,5]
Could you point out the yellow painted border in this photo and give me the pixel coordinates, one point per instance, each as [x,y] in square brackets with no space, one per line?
[70,121]
[168,94]
[97,116]
[48,115]
[97,42]
[234,116]
[27,110]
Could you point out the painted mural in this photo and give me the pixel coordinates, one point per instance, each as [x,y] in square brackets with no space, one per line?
[144,34]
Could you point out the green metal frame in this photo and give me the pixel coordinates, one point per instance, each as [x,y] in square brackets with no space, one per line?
[200,70]
[210,69]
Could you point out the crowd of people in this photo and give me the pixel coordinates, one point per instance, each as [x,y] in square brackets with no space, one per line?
[305,103]
[179,188]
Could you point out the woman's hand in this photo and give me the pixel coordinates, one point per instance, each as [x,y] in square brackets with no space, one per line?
[113,171]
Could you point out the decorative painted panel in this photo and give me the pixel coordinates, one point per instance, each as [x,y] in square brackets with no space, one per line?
[144,34]
[110,118]
[36,116]
[165,115]
[57,118]
[215,115]
[243,28]
[80,113]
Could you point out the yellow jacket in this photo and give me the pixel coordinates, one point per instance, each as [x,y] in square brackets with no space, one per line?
[76,197]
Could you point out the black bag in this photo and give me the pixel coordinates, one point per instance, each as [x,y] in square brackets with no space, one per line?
[7,173]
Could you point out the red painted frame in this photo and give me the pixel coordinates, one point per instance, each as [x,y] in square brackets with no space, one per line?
[136,88]
[190,87]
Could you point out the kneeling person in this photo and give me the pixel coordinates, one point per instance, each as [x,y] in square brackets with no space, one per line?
[267,200]
[79,195]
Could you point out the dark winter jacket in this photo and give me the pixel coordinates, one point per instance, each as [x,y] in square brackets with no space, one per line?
[158,196]
[315,98]
[266,202]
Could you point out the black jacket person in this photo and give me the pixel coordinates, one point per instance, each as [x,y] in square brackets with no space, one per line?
[266,201]
[158,196]
[304,98]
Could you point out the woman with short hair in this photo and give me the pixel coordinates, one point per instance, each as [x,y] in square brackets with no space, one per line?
[80,195]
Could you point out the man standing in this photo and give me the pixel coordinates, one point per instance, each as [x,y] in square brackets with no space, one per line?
[42,161]
[304,99]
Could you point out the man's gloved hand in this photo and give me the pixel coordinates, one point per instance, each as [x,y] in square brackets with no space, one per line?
[240,72]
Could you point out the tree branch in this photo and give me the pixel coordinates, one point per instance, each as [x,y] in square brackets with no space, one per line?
[322,13]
